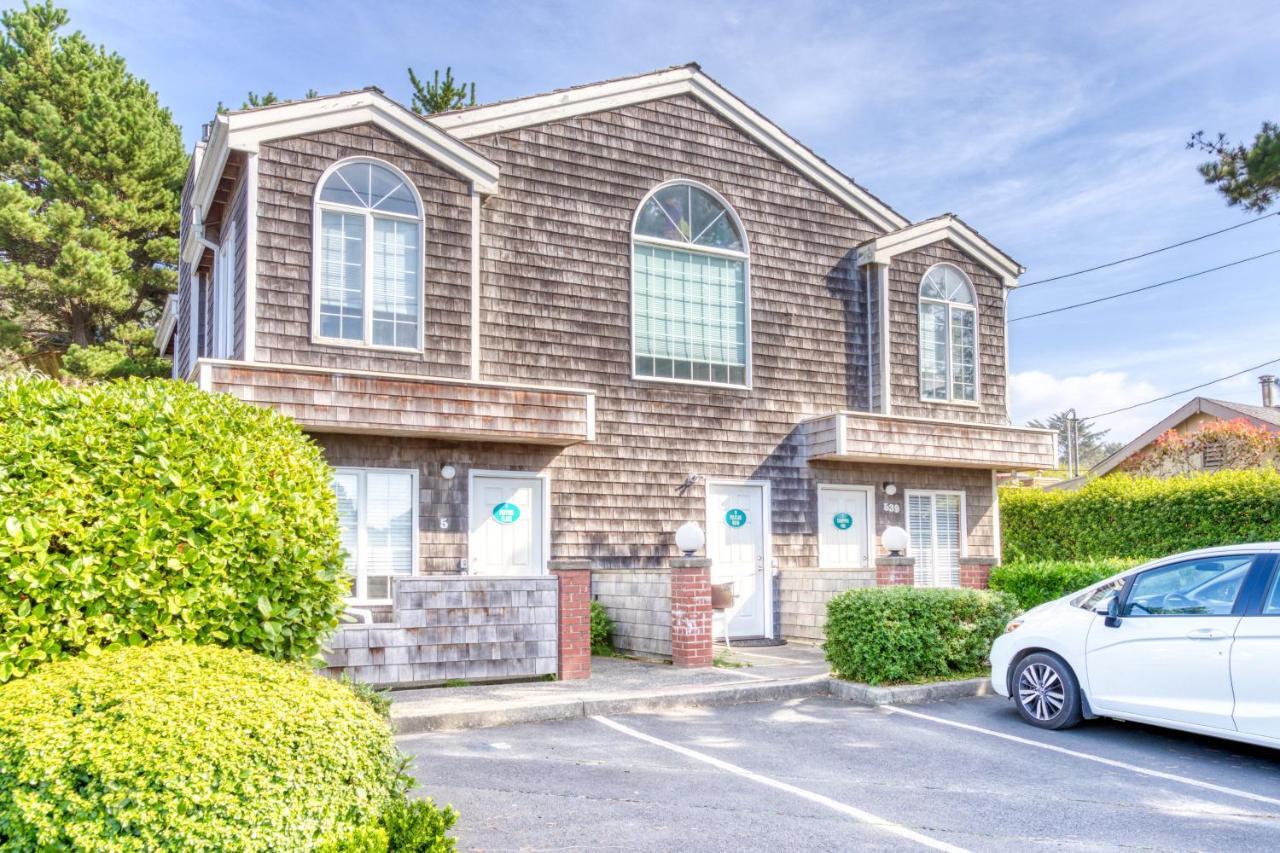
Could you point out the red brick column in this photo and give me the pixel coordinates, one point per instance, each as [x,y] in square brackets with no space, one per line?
[895,571]
[691,611]
[975,572]
[574,622]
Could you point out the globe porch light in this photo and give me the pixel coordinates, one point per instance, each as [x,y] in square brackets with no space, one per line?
[895,540]
[689,538]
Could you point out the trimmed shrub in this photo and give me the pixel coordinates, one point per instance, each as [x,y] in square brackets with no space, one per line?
[892,634]
[1141,516]
[138,511]
[406,826]
[601,630]
[1035,582]
[185,747]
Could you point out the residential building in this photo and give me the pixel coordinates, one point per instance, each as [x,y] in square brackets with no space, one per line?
[561,326]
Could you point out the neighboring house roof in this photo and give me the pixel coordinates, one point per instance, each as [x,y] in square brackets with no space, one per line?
[1221,409]
[689,80]
[880,250]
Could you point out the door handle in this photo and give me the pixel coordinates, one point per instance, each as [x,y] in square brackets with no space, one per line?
[1206,634]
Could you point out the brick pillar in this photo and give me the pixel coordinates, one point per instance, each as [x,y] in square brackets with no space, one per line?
[574,622]
[975,572]
[895,571]
[691,611]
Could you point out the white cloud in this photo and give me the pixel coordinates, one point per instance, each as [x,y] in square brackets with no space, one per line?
[1036,395]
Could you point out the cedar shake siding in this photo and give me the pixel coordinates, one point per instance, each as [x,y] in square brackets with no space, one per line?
[288,171]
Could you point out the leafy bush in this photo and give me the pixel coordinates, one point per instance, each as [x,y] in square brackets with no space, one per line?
[137,511]
[1033,583]
[406,826]
[1141,516]
[184,747]
[903,633]
[601,630]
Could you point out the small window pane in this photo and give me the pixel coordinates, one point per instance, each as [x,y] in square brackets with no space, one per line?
[674,200]
[1195,588]
[964,359]
[341,275]
[933,351]
[395,283]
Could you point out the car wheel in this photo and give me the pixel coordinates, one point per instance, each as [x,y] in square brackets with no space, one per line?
[1046,692]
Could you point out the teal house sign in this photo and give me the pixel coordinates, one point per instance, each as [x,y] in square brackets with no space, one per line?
[735,518]
[842,521]
[506,513]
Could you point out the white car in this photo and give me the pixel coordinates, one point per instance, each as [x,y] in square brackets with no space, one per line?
[1190,642]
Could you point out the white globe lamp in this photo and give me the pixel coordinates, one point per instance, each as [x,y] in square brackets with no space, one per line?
[895,541]
[690,538]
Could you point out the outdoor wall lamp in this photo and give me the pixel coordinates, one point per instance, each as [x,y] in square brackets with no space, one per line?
[889,489]
[895,540]
[448,472]
[689,538]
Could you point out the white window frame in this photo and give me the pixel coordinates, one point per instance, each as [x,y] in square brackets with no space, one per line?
[932,494]
[658,242]
[223,334]
[193,322]
[950,399]
[361,575]
[317,206]
[869,492]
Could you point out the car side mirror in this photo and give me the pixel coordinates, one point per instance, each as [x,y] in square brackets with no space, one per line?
[1113,613]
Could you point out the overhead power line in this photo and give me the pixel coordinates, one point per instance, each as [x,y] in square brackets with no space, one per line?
[1185,390]
[1141,289]
[1145,254]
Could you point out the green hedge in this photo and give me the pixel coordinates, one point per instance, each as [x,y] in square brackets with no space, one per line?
[902,633]
[1141,516]
[1035,582]
[185,747]
[148,510]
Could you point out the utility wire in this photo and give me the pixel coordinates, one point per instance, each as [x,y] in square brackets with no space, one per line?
[1141,289]
[1184,390]
[1144,254]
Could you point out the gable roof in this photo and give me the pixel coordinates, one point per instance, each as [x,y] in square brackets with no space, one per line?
[1221,409]
[245,130]
[689,79]
[948,226]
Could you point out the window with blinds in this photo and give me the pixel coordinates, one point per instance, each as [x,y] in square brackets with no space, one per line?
[935,523]
[369,258]
[948,336]
[377,514]
[689,266]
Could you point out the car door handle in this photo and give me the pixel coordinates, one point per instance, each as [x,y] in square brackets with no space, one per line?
[1206,634]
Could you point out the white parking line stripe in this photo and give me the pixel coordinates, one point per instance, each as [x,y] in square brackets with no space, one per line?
[1133,768]
[834,805]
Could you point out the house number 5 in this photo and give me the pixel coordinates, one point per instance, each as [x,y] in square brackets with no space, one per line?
[890,507]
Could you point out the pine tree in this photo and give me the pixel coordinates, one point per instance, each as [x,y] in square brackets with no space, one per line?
[440,95]
[1091,442]
[91,169]
[1247,176]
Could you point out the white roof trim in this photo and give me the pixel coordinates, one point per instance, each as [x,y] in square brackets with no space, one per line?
[882,249]
[247,130]
[1196,405]
[168,322]
[688,80]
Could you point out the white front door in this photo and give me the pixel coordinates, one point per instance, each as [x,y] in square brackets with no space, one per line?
[507,524]
[737,537]
[1170,656]
[844,532]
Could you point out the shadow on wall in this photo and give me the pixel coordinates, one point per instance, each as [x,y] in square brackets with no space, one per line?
[845,284]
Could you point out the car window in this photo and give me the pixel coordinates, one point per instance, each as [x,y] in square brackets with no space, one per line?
[1271,605]
[1094,599]
[1207,587]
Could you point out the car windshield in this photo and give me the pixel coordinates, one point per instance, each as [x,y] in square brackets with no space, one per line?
[1094,599]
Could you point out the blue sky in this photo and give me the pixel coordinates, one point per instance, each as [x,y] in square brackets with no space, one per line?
[1056,129]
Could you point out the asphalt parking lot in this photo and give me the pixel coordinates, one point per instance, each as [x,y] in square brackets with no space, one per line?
[820,774]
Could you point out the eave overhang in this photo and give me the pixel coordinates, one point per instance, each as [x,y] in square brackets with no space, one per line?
[882,249]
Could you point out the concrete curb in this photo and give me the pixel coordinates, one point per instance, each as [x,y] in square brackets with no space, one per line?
[514,714]
[909,694]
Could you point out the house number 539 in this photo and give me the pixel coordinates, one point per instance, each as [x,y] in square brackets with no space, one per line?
[890,507]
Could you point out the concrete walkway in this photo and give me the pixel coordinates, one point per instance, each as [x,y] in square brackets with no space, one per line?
[618,686]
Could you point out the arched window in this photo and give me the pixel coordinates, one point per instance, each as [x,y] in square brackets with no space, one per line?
[689,269]
[948,336]
[368,237]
